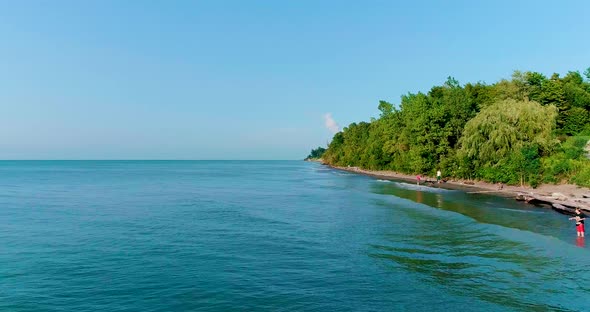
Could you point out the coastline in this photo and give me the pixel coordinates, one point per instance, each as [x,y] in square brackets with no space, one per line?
[561,197]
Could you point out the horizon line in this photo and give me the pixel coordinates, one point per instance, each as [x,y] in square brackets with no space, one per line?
[138,159]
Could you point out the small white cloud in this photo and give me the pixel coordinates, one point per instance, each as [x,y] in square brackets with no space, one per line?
[331,123]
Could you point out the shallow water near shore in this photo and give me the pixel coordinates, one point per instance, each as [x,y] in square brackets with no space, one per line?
[273,236]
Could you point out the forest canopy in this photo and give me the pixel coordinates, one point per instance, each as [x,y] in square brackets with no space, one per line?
[529,129]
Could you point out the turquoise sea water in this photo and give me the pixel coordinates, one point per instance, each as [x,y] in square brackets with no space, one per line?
[272,236]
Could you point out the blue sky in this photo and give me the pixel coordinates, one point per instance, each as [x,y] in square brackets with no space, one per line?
[249,79]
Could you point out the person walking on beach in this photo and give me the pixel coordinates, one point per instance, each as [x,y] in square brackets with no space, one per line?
[579,217]
[438,176]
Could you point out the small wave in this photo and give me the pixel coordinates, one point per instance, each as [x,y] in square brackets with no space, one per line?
[426,188]
[383,181]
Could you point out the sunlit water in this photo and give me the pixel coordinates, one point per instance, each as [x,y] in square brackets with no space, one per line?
[274,236]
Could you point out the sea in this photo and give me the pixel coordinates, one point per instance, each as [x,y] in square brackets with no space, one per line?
[273,236]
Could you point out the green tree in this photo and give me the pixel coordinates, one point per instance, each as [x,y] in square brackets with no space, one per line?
[316,153]
[499,132]
[575,120]
[506,127]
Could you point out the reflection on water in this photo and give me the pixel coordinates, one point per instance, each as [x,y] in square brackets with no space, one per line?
[419,197]
[439,200]
[510,257]
[480,207]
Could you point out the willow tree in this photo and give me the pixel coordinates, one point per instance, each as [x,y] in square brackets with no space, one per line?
[503,139]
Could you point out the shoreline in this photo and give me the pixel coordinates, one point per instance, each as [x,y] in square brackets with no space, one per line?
[561,197]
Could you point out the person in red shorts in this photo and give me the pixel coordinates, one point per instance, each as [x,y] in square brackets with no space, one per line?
[579,217]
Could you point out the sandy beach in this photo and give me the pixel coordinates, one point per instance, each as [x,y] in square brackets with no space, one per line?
[562,193]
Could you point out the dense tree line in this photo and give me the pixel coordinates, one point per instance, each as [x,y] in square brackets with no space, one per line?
[529,129]
[316,153]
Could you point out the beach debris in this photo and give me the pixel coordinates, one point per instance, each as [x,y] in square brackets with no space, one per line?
[529,198]
[556,202]
[481,192]
[583,200]
[563,209]
[558,196]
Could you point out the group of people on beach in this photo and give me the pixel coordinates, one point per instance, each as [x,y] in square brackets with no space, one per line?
[438,177]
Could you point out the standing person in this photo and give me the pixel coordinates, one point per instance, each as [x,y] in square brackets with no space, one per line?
[418,179]
[579,217]
[438,176]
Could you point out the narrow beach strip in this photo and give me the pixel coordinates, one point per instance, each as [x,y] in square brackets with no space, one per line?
[554,195]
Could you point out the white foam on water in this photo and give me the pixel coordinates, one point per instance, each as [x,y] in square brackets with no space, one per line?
[422,187]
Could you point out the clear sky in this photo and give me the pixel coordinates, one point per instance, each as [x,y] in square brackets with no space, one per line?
[249,79]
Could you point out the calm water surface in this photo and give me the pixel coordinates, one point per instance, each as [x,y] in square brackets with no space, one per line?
[272,236]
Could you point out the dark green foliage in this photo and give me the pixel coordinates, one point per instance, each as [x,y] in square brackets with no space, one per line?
[574,147]
[316,153]
[521,167]
[575,120]
[504,132]
[567,163]
[529,165]
[386,108]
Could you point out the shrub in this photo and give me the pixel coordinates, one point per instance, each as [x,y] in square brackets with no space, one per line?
[582,176]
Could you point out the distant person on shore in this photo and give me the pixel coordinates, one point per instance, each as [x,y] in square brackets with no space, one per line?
[418,179]
[438,176]
[579,217]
